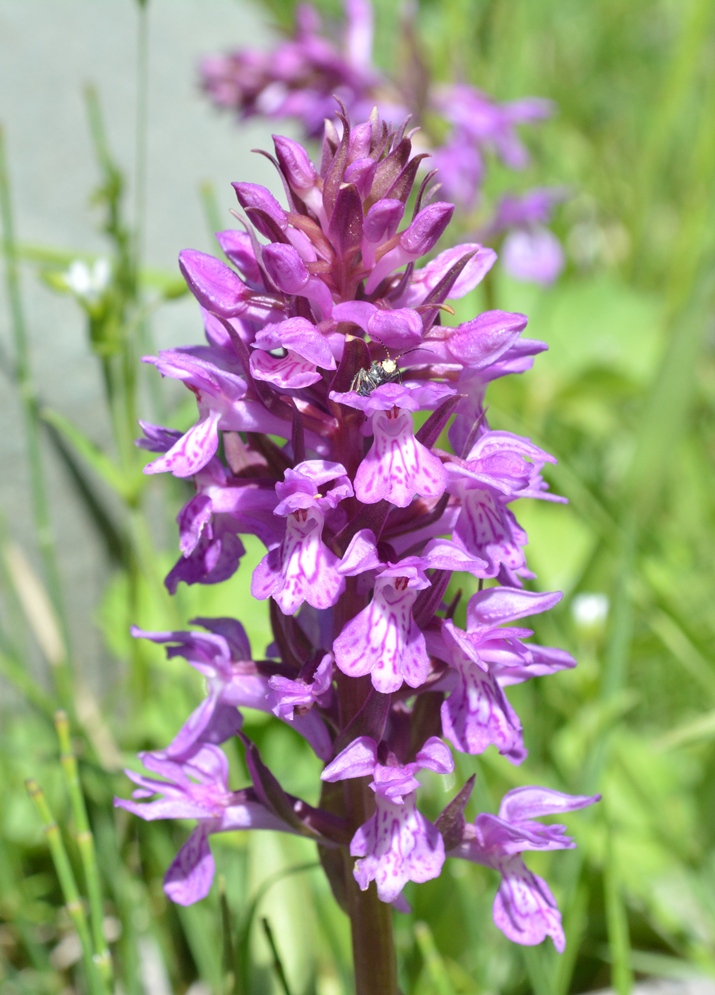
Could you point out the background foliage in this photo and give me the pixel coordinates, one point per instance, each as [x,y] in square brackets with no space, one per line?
[625,398]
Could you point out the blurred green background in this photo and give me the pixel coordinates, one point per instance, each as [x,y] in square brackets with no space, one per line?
[625,399]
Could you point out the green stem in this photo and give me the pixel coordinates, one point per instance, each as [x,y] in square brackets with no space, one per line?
[142,129]
[85,845]
[30,408]
[374,960]
[70,892]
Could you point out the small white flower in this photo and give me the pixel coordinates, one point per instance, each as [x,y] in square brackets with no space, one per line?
[590,610]
[88,283]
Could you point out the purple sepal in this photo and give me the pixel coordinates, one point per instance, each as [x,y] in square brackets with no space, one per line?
[442,554]
[157,439]
[498,605]
[356,760]
[481,341]
[361,554]
[213,284]
[286,696]
[522,804]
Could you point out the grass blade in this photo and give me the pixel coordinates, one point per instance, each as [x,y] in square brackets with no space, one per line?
[85,845]
[277,965]
[70,892]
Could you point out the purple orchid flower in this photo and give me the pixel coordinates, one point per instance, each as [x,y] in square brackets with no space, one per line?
[397,844]
[397,466]
[223,404]
[365,522]
[524,908]
[195,787]
[303,568]
[287,697]
[498,469]
[233,681]
[485,659]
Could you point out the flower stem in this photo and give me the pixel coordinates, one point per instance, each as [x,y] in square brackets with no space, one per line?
[374,960]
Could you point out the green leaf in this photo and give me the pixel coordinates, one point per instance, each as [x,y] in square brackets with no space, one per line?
[125,487]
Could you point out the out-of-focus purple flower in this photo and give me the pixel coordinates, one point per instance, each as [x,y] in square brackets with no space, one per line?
[524,908]
[530,251]
[301,77]
[489,124]
[533,254]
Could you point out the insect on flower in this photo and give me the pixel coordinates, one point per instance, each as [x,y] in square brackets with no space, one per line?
[381,371]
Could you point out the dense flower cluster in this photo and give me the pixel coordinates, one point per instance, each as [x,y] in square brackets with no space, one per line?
[364,519]
[301,77]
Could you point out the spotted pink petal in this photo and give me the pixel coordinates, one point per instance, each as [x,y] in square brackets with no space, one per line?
[524,908]
[384,641]
[191,872]
[397,845]
[192,451]
[398,467]
[302,569]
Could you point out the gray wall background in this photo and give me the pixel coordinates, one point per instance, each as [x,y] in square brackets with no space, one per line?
[49,49]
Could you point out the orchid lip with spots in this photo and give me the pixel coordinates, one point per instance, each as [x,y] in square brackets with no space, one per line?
[365,519]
